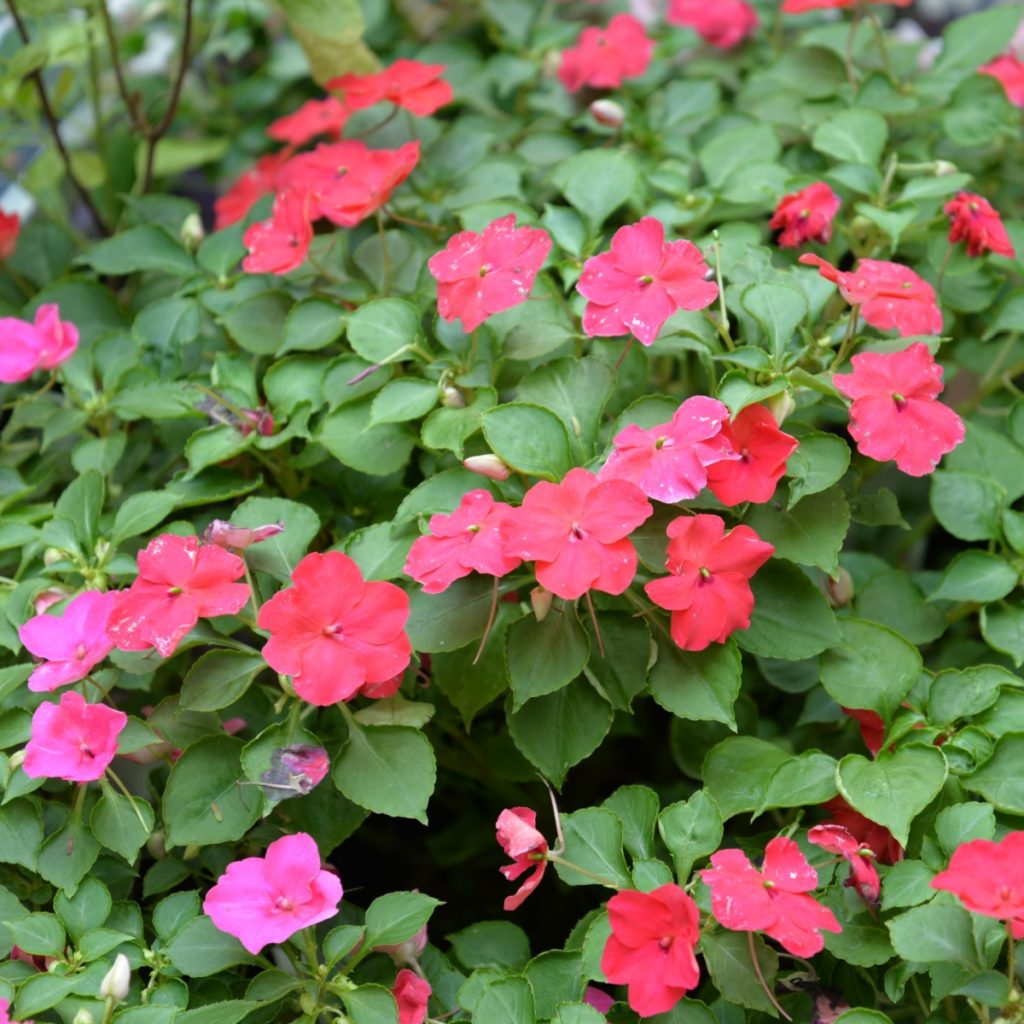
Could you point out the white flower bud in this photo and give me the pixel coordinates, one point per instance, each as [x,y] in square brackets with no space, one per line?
[781,406]
[453,398]
[192,232]
[489,466]
[117,980]
[608,113]
[83,1017]
[541,599]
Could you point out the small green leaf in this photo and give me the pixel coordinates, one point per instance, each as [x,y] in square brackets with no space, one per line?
[122,825]
[691,829]
[528,438]
[547,655]
[976,576]
[218,679]
[593,841]
[856,136]
[397,916]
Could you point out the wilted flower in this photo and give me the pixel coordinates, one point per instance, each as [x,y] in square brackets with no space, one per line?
[230,537]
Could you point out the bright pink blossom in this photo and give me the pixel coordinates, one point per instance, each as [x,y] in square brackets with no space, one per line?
[10,228]
[598,999]
[860,857]
[723,23]
[641,281]
[867,832]
[651,947]
[763,450]
[412,994]
[249,189]
[670,462]
[72,643]
[709,591]
[417,87]
[1008,70]
[180,581]
[805,216]
[313,118]
[519,838]
[466,541]
[774,900]
[975,221]
[72,740]
[603,58]
[799,6]
[41,345]
[890,296]
[577,533]
[264,900]
[333,632]
[279,245]
[894,414]
[988,878]
[479,275]
[5,1013]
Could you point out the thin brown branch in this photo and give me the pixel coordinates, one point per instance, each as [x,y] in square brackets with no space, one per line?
[136,114]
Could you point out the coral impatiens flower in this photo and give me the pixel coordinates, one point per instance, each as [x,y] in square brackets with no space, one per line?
[332,632]
[249,189]
[519,838]
[10,228]
[890,296]
[72,643]
[799,6]
[860,857]
[603,58]
[762,451]
[576,532]
[279,245]
[313,118]
[774,900]
[479,275]
[412,994]
[651,947]
[867,832]
[417,87]
[180,581]
[988,878]
[1008,70]
[264,900]
[72,740]
[709,591]
[894,414]
[670,462]
[466,541]
[724,23]
[41,345]
[976,222]
[805,216]
[641,281]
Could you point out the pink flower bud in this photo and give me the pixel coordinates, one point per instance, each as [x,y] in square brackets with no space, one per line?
[453,398]
[227,535]
[48,598]
[840,590]
[608,113]
[489,466]
[541,601]
[262,422]
[781,406]
[408,951]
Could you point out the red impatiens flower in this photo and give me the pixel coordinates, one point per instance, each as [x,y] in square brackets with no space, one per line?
[651,947]
[479,275]
[890,296]
[872,727]
[762,449]
[313,118]
[709,591]
[894,414]
[10,227]
[867,832]
[799,6]
[179,582]
[641,281]
[860,856]
[250,188]
[417,87]
[603,58]
[576,532]
[774,900]
[72,740]
[1008,70]
[412,994]
[989,878]
[724,23]
[976,222]
[670,462]
[805,216]
[466,541]
[519,838]
[279,245]
[332,631]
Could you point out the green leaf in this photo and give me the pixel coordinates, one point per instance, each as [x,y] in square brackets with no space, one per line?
[213,445]
[895,788]
[1000,780]
[967,505]
[593,841]
[699,685]
[691,829]
[736,772]
[547,655]
[375,450]
[388,769]
[146,247]
[21,834]
[384,329]
[218,679]
[597,182]
[907,884]
[976,576]
[637,808]
[312,324]
[340,941]
[731,150]
[200,950]
[173,912]
[973,39]
[727,955]
[962,693]
[448,429]
[450,620]
[491,944]
[622,673]
[1002,626]
[528,438]
[399,401]
[81,503]
[397,916]
[331,33]
[140,512]
[39,934]
[935,932]
[86,910]
[895,600]
[167,325]
[371,1004]
[229,1011]
[555,977]
[856,136]
[118,825]
[873,668]
[810,533]
[963,822]
[990,453]
[68,855]
[257,323]
[863,942]
[802,781]
[278,555]
[778,309]
[505,1000]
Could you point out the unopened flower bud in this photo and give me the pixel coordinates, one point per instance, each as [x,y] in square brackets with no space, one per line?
[943,169]
[489,466]
[453,398]
[117,980]
[780,406]
[102,548]
[51,556]
[227,535]
[540,599]
[83,1017]
[15,760]
[840,590]
[192,232]
[48,598]
[408,951]
[608,113]
[550,64]
[156,844]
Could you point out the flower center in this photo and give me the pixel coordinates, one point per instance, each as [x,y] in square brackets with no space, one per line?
[174,591]
[660,443]
[645,280]
[706,578]
[899,400]
[485,269]
[283,903]
[85,749]
[666,942]
[474,528]
[80,652]
[576,533]
[334,631]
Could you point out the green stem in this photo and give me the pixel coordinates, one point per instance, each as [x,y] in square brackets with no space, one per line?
[723,329]
[135,807]
[309,945]
[760,977]
[385,252]
[848,340]
[1011,957]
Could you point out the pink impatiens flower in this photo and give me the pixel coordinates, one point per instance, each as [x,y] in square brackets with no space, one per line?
[669,462]
[5,1010]
[72,643]
[279,245]
[799,6]
[72,740]
[41,345]
[417,87]
[651,947]
[709,591]
[179,582]
[603,58]
[1008,70]
[519,838]
[890,296]
[264,900]
[975,221]
[724,23]
[466,541]
[577,533]
[333,632]
[479,275]
[641,281]
[860,857]
[774,900]
[763,450]
[412,994]
[894,414]
[805,216]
